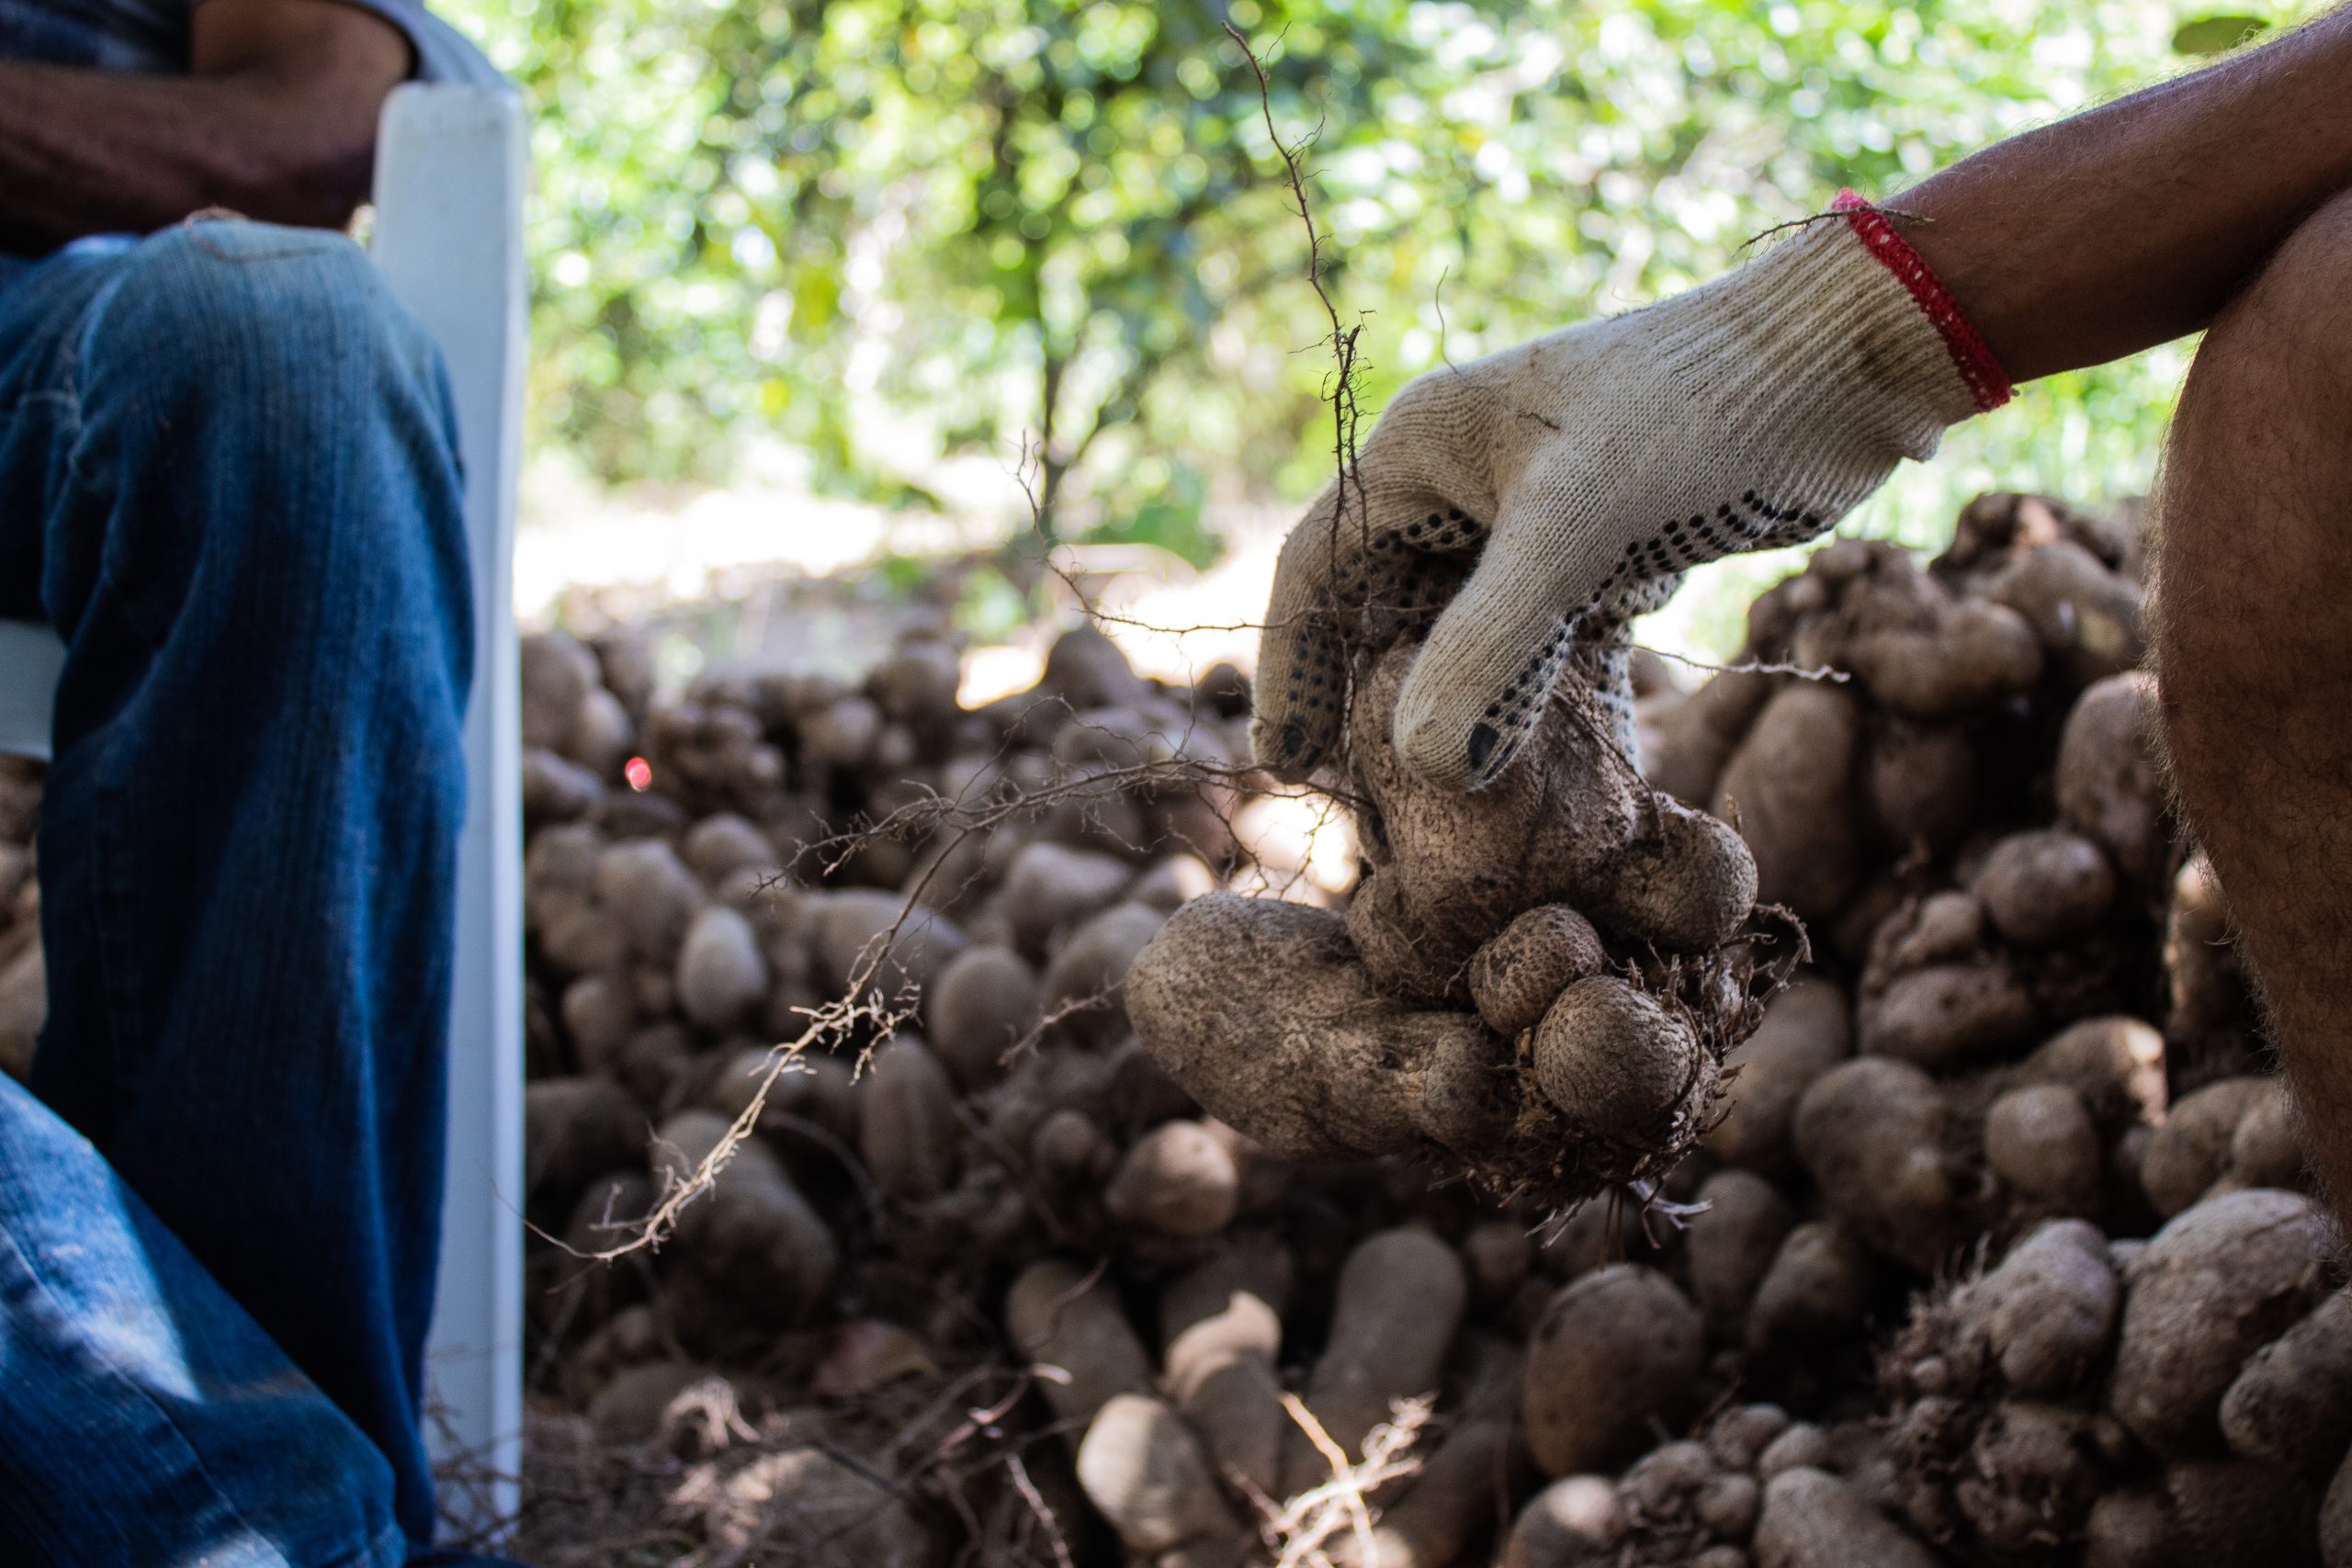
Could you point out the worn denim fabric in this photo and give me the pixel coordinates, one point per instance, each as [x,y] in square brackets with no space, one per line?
[144,1418]
[228,478]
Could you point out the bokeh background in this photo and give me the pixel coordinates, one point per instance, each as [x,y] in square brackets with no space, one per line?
[813,276]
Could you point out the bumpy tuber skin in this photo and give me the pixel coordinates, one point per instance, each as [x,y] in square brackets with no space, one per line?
[1920,782]
[1400,1300]
[2040,1139]
[2030,1475]
[1626,1074]
[2215,1285]
[1941,1015]
[1568,822]
[1446,870]
[2045,888]
[1875,1133]
[2049,1312]
[1686,881]
[2190,1152]
[1178,1179]
[2107,784]
[2292,1404]
[1816,1291]
[2336,1519]
[1515,975]
[907,1133]
[2225,1510]
[1970,657]
[650,891]
[2087,616]
[1698,735]
[1805,1032]
[1087,980]
[1791,790]
[721,975]
[1732,1244]
[1144,1470]
[576,1130]
[1222,1328]
[1060,1318]
[986,1002]
[1306,1038]
[897,947]
[1618,1349]
[1740,1435]
[1262,1013]
[1577,1519]
[1051,886]
[1812,1519]
[752,1234]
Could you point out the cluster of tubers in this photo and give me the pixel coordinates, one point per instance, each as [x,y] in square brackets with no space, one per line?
[1548,971]
[1101,1229]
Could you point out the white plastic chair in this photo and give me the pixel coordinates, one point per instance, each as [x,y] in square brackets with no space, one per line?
[450,173]
[451,168]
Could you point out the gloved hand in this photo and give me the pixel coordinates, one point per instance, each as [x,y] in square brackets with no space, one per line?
[1584,471]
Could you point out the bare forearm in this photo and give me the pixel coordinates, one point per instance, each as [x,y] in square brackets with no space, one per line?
[83,154]
[2134,223]
[277,120]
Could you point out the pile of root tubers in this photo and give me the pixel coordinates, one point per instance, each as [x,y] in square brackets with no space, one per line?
[969,1135]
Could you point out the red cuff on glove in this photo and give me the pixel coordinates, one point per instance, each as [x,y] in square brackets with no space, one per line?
[1987,382]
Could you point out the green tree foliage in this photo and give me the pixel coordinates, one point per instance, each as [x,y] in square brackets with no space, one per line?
[891,229]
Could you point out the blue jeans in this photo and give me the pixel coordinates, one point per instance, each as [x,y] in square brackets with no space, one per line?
[227,480]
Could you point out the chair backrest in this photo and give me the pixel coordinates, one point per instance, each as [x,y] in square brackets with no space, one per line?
[451,169]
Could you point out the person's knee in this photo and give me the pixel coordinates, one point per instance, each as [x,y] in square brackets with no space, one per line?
[2252,552]
[264,412]
[2287,331]
[231,316]
[276,360]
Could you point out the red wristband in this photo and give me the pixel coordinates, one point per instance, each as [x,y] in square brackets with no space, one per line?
[1987,382]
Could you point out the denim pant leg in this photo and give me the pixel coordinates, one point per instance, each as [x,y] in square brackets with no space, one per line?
[144,1418]
[239,453]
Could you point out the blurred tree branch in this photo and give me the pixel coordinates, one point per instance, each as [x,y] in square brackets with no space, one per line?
[834,221]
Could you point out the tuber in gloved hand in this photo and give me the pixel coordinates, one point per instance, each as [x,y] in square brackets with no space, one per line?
[1584,472]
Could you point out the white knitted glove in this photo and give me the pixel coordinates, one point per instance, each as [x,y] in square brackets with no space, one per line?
[1583,472]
